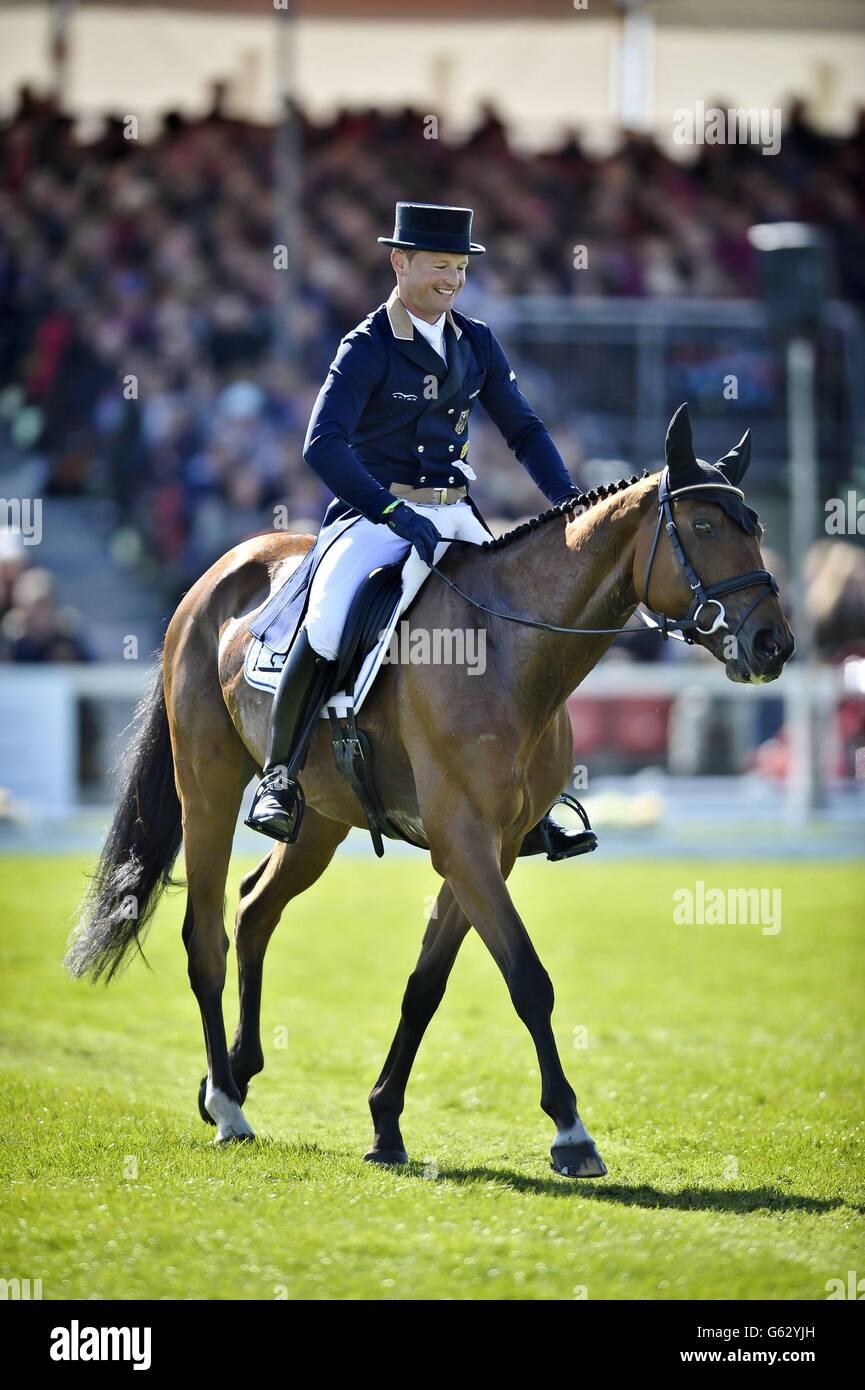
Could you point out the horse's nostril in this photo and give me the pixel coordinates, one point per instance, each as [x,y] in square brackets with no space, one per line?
[766,644]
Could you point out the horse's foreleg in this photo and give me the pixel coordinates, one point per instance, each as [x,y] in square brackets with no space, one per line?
[287,871]
[444,935]
[476,870]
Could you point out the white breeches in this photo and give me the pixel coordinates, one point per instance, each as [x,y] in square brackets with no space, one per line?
[365,546]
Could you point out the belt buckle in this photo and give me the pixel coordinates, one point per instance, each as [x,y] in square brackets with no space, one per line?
[443,495]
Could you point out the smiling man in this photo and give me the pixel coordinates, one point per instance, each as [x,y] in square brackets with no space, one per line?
[389,436]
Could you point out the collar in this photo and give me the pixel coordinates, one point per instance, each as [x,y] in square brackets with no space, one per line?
[400,322]
[433,330]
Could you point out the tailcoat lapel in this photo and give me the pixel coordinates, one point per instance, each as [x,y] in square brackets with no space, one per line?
[414,346]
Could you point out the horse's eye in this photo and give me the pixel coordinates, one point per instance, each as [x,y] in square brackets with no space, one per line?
[702,526]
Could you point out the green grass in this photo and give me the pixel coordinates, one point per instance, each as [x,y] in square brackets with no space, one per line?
[722,1081]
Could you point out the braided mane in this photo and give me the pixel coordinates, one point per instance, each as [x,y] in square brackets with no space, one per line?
[585,500]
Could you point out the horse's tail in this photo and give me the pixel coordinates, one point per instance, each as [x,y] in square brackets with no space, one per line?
[141,847]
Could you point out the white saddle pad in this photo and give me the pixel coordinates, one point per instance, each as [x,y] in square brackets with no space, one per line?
[261,666]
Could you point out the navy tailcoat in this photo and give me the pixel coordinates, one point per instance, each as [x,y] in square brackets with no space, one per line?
[392,411]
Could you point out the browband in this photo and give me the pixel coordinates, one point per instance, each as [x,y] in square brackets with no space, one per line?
[715,487]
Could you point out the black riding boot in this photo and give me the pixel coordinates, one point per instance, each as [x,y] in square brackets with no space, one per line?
[304,685]
[547,837]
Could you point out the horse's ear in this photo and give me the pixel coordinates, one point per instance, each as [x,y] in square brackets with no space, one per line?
[734,465]
[679,445]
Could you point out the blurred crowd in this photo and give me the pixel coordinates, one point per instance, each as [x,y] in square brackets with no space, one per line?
[35,626]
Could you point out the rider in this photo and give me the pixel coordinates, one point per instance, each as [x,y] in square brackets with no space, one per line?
[389,436]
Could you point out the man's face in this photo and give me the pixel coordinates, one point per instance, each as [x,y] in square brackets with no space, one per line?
[429,282]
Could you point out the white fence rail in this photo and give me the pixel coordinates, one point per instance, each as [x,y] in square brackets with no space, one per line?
[40,731]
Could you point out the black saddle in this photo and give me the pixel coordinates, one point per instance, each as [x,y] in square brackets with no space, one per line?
[369,614]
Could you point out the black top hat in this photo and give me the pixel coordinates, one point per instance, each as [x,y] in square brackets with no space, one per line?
[431,227]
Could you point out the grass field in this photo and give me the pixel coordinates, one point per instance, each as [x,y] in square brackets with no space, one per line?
[721,1078]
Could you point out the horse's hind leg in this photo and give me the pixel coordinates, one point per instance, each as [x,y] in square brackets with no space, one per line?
[444,935]
[287,871]
[247,884]
[211,787]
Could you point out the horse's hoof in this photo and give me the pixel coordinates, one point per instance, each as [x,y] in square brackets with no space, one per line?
[577,1161]
[222,1139]
[202,1109]
[242,1086]
[391,1158]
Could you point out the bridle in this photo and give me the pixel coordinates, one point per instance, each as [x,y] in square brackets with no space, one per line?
[685,629]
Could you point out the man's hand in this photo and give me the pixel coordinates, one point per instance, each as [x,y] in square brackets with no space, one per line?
[416,529]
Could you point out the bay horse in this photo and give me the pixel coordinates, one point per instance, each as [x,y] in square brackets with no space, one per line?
[464,764]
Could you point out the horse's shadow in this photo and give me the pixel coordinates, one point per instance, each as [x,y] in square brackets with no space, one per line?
[740,1200]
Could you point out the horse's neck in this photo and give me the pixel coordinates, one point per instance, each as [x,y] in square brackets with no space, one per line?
[571,574]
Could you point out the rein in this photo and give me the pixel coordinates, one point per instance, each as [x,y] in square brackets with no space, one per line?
[685,629]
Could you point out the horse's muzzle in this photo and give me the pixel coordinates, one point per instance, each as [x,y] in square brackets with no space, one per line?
[761,656]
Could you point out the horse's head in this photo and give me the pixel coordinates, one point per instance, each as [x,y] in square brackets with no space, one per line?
[700,566]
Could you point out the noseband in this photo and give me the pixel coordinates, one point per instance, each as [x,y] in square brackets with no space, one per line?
[688,629]
[685,629]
